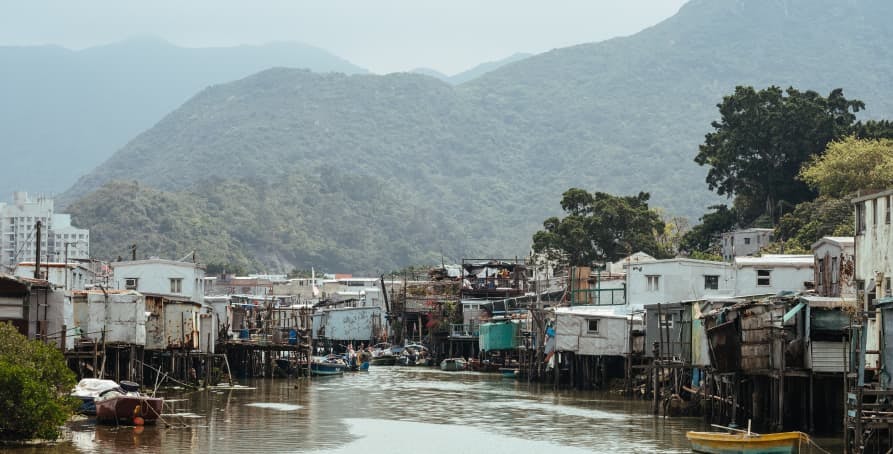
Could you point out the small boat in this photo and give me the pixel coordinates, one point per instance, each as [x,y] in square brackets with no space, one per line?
[328,365]
[384,360]
[126,405]
[509,372]
[746,442]
[384,354]
[89,389]
[454,364]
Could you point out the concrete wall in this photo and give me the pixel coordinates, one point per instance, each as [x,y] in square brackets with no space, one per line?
[346,324]
[834,268]
[678,280]
[781,278]
[745,242]
[873,241]
[121,315]
[154,276]
[572,333]
[48,314]
[172,324]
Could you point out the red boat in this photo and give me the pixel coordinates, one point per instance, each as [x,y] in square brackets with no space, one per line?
[127,406]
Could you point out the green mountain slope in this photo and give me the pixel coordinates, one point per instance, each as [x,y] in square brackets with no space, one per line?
[63,112]
[489,159]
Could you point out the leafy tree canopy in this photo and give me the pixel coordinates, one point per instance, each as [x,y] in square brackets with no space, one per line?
[702,238]
[810,221]
[601,227]
[34,387]
[763,137]
[849,165]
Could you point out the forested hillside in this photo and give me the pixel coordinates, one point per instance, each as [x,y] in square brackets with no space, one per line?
[63,112]
[486,161]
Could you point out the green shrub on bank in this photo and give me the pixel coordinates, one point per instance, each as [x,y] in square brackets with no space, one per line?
[34,387]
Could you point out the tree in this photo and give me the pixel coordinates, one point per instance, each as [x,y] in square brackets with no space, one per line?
[600,227]
[702,238]
[810,221]
[849,165]
[34,387]
[763,137]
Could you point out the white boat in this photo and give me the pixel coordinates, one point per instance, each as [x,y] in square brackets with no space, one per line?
[454,364]
[88,389]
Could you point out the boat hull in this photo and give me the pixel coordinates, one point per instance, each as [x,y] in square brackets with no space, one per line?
[453,364]
[384,360]
[723,443]
[324,369]
[122,409]
[508,372]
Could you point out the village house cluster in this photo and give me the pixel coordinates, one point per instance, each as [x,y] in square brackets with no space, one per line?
[774,338]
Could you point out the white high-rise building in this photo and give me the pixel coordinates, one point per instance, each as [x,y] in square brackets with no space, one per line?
[18,236]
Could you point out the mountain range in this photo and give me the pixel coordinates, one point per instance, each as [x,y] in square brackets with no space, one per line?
[473,73]
[293,169]
[66,111]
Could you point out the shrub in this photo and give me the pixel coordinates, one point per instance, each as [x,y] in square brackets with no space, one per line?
[34,387]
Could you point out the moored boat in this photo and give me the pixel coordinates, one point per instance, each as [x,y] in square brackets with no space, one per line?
[126,405]
[88,389]
[323,366]
[745,442]
[453,364]
[509,372]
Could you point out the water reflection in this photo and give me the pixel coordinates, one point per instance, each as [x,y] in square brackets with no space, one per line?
[393,410]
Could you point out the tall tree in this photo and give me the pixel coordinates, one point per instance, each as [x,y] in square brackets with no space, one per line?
[849,165]
[601,227]
[763,137]
[704,237]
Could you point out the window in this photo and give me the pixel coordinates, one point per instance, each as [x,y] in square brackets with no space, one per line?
[860,218]
[666,321]
[834,270]
[711,282]
[820,273]
[176,285]
[887,209]
[886,286]
[763,277]
[652,283]
[747,241]
[131,283]
[593,325]
[874,212]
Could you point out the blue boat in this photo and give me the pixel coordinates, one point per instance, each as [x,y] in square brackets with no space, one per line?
[327,366]
[509,372]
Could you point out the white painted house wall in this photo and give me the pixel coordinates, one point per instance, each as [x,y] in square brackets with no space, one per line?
[154,276]
[78,276]
[785,273]
[347,324]
[745,242]
[677,280]
[874,241]
[573,334]
[121,315]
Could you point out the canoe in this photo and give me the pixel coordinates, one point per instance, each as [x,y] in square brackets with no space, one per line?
[744,443]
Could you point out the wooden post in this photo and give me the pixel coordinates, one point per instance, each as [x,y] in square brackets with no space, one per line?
[655,388]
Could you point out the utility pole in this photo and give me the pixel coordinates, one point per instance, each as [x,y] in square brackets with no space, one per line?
[37,252]
[133,252]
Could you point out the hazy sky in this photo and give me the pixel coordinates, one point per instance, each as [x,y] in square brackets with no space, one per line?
[383,35]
